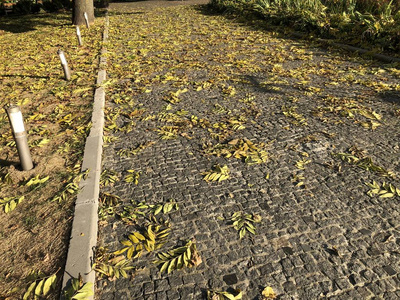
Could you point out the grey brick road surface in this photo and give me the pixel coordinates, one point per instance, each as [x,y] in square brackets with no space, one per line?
[321,235]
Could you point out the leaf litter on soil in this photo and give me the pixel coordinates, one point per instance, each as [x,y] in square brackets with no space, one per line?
[34,235]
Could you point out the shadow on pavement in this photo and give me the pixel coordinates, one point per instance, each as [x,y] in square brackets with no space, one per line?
[24,75]
[391,96]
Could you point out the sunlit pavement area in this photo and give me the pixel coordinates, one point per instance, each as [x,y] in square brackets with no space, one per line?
[216,117]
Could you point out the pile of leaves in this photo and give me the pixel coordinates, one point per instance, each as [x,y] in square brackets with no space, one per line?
[243,223]
[364,162]
[151,236]
[384,190]
[351,109]
[249,152]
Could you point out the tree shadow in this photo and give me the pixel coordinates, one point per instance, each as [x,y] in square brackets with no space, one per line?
[7,163]
[100,12]
[256,22]
[24,76]
[26,23]
[259,84]
[128,1]
[256,83]
[118,13]
[391,96]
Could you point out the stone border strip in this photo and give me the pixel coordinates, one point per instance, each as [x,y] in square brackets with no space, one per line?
[84,227]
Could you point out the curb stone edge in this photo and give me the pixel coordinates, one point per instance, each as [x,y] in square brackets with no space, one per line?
[83,239]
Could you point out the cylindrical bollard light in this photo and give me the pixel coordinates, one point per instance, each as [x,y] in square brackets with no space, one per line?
[64,64]
[78,34]
[86,19]
[21,140]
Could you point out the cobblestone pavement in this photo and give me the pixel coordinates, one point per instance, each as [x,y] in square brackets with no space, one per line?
[184,83]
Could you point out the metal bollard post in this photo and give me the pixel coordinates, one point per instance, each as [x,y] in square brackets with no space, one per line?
[86,19]
[78,34]
[20,136]
[64,64]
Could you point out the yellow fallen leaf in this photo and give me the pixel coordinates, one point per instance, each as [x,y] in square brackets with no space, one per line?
[268,293]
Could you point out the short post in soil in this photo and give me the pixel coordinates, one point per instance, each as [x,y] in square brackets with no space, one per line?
[20,136]
[64,64]
[78,34]
[86,19]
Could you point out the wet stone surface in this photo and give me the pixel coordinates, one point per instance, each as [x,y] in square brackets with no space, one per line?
[321,235]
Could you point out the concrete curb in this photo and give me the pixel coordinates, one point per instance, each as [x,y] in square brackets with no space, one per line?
[84,227]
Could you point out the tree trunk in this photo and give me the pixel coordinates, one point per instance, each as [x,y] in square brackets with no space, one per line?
[79,8]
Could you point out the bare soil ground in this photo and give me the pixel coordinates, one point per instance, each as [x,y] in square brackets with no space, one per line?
[34,235]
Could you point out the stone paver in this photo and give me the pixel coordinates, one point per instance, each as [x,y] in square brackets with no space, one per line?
[324,239]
